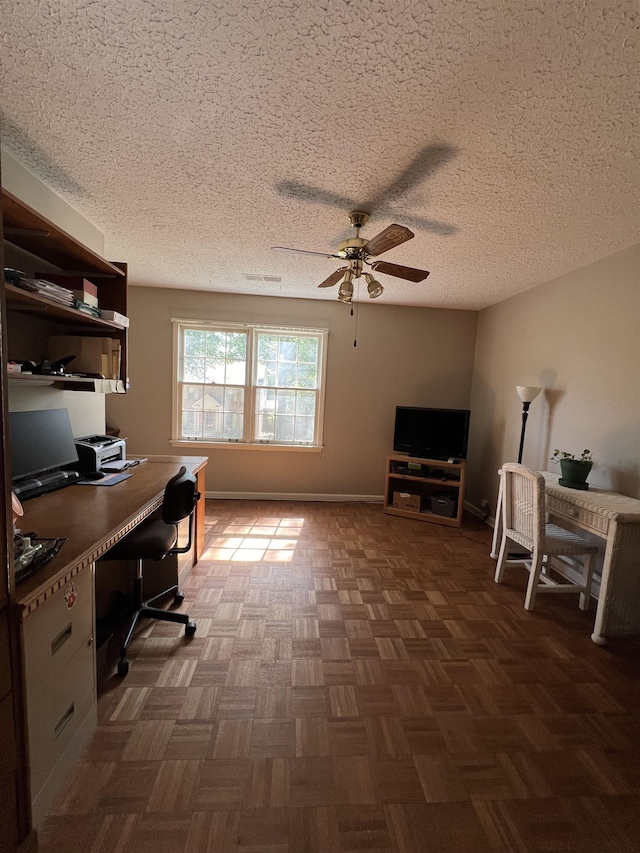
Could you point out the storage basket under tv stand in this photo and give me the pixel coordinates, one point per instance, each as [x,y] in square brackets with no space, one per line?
[432,478]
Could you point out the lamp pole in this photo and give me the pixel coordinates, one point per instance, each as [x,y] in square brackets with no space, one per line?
[527,394]
[525,415]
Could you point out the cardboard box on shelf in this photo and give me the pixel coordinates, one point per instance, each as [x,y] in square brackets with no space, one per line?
[84,296]
[405,500]
[115,317]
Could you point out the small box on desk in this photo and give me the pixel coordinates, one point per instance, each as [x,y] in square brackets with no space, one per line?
[405,500]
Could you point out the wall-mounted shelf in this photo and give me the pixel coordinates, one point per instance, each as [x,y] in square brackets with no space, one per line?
[28,229]
[69,383]
[31,303]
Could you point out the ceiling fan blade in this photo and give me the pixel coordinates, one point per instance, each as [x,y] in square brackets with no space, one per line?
[408,273]
[334,278]
[392,236]
[303,252]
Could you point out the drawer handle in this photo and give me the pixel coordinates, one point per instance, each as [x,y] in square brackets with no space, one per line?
[58,642]
[64,720]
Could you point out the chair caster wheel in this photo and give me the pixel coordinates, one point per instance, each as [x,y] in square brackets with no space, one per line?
[123,667]
[190,629]
[178,598]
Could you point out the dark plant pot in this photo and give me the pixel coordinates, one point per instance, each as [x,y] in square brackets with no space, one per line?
[575,473]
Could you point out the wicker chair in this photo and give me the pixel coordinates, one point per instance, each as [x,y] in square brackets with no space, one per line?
[524,522]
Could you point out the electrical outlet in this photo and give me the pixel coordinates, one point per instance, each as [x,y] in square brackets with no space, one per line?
[484,503]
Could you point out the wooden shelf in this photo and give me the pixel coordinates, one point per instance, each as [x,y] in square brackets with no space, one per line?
[69,383]
[28,229]
[32,303]
[423,487]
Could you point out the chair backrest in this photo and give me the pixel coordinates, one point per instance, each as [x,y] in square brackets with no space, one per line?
[523,502]
[180,497]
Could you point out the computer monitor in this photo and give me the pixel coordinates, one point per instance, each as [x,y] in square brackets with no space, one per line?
[40,441]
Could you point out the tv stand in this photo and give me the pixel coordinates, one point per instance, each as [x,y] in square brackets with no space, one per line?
[425,489]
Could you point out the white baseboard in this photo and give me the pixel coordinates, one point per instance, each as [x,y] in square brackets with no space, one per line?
[290,496]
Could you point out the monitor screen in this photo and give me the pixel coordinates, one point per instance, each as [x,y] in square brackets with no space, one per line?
[431,433]
[40,441]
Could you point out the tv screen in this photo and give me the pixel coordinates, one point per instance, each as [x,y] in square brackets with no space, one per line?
[431,433]
[40,441]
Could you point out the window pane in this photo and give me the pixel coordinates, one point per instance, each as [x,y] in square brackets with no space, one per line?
[234,400]
[288,349]
[215,371]
[192,397]
[194,342]
[286,402]
[192,424]
[304,429]
[308,350]
[284,427]
[287,375]
[236,372]
[267,348]
[216,345]
[193,369]
[233,426]
[306,403]
[213,398]
[307,376]
[213,425]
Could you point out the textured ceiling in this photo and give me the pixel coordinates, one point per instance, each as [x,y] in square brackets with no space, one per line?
[198,134]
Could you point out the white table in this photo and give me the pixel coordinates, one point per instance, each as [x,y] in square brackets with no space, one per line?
[614,518]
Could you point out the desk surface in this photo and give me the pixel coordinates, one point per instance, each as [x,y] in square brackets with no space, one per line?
[92,519]
[604,502]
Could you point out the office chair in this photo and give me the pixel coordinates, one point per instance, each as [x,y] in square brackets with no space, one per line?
[524,522]
[155,539]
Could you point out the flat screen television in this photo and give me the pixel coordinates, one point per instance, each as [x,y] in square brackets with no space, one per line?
[40,441]
[431,433]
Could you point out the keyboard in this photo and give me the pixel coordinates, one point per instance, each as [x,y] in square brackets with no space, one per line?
[31,487]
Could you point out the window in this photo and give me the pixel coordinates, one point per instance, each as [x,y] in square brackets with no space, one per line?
[248,384]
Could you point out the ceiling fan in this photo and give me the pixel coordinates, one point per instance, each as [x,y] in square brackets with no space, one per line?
[358,252]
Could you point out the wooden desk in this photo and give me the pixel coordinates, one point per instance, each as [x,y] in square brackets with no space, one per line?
[57,610]
[616,519]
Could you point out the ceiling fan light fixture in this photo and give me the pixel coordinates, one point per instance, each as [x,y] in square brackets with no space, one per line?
[374,288]
[345,293]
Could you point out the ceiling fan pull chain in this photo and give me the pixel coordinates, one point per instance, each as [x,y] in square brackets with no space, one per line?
[357,311]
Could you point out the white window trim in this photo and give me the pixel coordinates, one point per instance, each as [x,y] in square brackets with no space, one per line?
[252,328]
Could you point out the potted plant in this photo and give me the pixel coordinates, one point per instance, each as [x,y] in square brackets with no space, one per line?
[574,470]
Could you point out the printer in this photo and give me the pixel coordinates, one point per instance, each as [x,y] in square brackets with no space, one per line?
[95,451]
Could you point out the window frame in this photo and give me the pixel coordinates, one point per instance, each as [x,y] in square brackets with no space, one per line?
[251,388]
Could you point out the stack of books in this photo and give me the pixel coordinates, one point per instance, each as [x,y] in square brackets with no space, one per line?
[84,292]
[53,292]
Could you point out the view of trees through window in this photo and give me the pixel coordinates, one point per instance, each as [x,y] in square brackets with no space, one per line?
[250,384]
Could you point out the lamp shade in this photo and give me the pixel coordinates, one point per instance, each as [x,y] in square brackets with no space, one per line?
[528,393]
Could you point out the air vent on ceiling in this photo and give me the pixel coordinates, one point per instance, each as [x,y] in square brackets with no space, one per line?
[248,276]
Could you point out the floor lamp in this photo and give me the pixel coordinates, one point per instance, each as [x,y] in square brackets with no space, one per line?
[527,394]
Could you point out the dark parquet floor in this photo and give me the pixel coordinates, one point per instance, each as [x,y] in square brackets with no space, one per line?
[359,683]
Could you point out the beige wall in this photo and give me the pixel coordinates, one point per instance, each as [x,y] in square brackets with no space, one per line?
[406,356]
[579,338]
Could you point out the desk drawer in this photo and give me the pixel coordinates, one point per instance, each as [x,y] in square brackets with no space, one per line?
[583,517]
[53,724]
[55,631]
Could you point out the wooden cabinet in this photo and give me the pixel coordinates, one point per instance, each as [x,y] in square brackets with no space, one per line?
[33,317]
[425,489]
